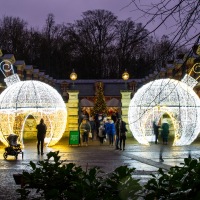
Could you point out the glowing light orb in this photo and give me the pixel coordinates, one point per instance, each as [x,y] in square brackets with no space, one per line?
[24,98]
[165,96]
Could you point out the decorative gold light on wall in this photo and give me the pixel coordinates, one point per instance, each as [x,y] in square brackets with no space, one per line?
[196,70]
[175,98]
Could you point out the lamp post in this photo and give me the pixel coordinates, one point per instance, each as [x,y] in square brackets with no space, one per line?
[125,77]
[73,77]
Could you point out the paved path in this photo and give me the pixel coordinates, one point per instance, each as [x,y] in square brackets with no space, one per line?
[145,159]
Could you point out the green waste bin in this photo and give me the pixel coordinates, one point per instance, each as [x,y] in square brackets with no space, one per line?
[74,138]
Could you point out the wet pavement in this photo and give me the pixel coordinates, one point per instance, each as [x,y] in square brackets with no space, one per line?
[145,159]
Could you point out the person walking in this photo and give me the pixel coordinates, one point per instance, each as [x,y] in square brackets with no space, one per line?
[110,130]
[122,133]
[98,119]
[93,127]
[41,133]
[117,127]
[165,131]
[84,131]
[101,132]
[156,131]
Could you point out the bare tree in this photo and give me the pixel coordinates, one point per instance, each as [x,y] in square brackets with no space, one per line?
[128,47]
[94,34]
[47,42]
[13,32]
[181,18]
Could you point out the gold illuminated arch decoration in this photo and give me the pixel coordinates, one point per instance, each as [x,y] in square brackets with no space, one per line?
[23,98]
[196,70]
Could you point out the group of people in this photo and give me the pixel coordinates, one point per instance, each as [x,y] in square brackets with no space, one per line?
[104,128]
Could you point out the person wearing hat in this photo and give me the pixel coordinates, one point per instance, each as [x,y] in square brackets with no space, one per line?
[165,131]
[120,134]
[110,130]
[84,131]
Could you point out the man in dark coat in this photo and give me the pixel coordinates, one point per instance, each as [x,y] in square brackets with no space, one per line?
[156,131]
[165,131]
[41,133]
[120,134]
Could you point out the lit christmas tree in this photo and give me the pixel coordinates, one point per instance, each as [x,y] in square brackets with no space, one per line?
[100,104]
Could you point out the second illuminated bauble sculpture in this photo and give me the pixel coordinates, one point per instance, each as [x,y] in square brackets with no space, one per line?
[175,98]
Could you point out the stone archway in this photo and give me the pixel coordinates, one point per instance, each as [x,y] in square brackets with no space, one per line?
[29,128]
[155,114]
[158,116]
[31,124]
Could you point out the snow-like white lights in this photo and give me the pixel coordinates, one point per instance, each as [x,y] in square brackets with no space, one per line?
[24,98]
[165,96]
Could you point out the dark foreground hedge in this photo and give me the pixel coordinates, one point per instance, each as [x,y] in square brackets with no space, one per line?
[52,179]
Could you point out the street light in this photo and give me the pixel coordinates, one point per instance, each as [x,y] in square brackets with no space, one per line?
[125,77]
[73,76]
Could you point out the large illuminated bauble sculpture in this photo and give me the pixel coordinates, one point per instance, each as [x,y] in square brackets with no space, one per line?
[24,98]
[175,98]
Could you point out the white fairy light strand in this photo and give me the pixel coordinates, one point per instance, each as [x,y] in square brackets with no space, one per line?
[6,66]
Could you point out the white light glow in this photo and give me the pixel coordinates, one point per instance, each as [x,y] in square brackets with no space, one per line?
[6,67]
[11,79]
[188,80]
[35,98]
[165,96]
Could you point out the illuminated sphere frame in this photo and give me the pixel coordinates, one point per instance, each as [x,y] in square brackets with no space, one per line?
[31,98]
[166,96]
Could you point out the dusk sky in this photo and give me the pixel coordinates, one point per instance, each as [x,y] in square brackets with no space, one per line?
[35,11]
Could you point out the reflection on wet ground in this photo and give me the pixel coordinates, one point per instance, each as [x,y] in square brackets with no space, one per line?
[145,159]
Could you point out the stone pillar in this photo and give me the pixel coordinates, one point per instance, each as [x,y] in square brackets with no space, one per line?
[20,65]
[41,76]
[29,72]
[125,100]
[1,54]
[72,111]
[162,73]
[36,74]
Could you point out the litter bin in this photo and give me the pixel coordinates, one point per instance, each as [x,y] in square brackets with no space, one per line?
[74,138]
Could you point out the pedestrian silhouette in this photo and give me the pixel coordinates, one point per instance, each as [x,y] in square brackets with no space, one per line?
[41,133]
[161,153]
[165,131]
[120,134]
[156,131]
